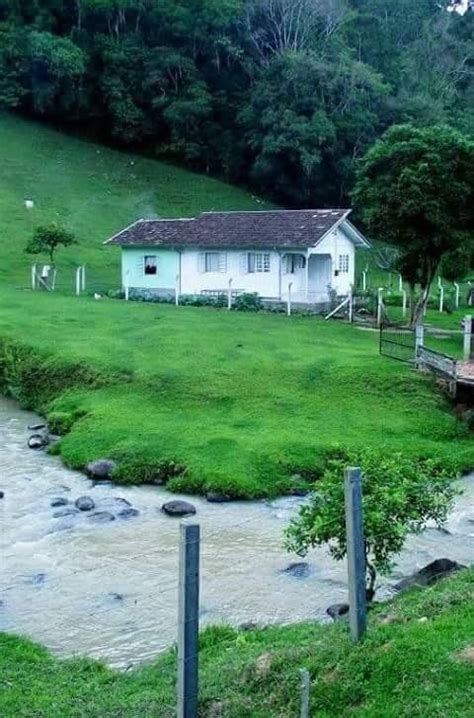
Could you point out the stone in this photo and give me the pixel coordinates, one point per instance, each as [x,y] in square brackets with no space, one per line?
[101,517]
[36,427]
[120,500]
[85,503]
[37,579]
[128,513]
[115,596]
[2,494]
[338,611]
[65,512]
[298,570]
[59,501]
[433,572]
[214,497]
[297,491]
[36,441]
[177,507]
[248,626]
[101,469]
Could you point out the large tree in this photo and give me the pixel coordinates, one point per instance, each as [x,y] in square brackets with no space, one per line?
[415,191]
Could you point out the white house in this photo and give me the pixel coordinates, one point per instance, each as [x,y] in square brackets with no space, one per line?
[307,252]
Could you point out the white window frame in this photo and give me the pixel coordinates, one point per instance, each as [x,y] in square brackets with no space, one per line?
[258,262]
[214,262]
[343,263]
[294,262]
[154,264]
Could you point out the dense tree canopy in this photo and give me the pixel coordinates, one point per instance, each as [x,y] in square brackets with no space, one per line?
[283,94]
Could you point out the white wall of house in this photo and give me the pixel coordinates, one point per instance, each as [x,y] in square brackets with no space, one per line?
[269,273]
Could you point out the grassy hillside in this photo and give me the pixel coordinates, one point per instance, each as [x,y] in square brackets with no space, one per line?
[94,192]
[417,661]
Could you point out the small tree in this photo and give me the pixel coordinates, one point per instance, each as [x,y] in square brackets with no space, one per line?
[46,240]
[416,192]
[400,496]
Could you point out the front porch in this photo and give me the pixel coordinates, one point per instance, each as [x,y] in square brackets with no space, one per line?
[306,278]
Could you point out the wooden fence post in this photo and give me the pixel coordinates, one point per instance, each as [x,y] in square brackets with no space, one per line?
[355,553]
[467,337]
[188,621]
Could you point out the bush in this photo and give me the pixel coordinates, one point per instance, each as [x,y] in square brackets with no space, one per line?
[247,303]
[400,496]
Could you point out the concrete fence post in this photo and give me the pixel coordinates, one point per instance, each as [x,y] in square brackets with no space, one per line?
[305,693]
[83,278]
[229,295]
[126,286]
[288,303]
[469,299]
[441,296]
[419,342]
[400,283]
[188,621]
[355,553]
[379,306]
[364,280]
[404,303]
[78,281]
[467,337]
[33,276]
[457,295]
[176,291]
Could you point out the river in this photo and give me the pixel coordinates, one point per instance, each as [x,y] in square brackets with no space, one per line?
[110,590]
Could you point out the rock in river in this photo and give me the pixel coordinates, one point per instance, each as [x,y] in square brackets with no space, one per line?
[85,503]
[101,469]
[178,508]
[65,512]
[128,513]
[59,501]
[298,570]
[36,427]
[36,441]
[434,571]
[338,611]
[101,517]
[2,494]
[214,497]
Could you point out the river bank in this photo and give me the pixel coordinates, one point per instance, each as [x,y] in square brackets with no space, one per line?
[109,590]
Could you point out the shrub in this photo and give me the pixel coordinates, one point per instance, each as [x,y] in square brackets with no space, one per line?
[247,302]
[400,496]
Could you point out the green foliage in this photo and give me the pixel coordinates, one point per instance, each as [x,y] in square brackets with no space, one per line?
[416,192]
[47,240]
[400,497]
[247,302]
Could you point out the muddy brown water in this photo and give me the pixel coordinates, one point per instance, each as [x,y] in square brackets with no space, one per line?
[109,590]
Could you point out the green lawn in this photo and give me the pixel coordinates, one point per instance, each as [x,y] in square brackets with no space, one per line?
[417,661]
[94,192]
[243,401]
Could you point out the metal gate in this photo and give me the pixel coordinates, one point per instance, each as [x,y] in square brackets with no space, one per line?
[398,342]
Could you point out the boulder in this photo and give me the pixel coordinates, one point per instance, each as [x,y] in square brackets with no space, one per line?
[128,513]
[36,441]
[59,501]
[65,512]
[101,469]
[178,508]
[85,503]
[338,611]
[298,570]
[214,497]
[434,571]
[101,517]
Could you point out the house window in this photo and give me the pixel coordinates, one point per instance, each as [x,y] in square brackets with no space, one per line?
[258,262]
[215,262]
[150,264]
[343,263]
[294,262]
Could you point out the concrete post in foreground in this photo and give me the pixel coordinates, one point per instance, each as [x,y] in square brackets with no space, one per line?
[355,553]
[305,693]
[288,304]
[229,295]
[188,621]
[467,337]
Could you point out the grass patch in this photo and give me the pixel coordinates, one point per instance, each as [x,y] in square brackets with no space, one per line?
[240,401]
[412,663]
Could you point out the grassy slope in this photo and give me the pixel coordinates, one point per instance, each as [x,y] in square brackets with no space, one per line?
[237,398]
[417,661]
[94,192]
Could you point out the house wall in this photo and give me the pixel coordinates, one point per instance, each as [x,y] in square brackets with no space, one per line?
[194,280]
[337,243]
[133,268]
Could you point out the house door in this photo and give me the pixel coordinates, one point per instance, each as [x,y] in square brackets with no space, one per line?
[319,277]
[294,273]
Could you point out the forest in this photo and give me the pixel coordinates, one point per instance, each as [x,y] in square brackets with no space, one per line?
[282,96]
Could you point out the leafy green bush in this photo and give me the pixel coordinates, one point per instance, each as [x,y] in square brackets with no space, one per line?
[247,302]
[400,496]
